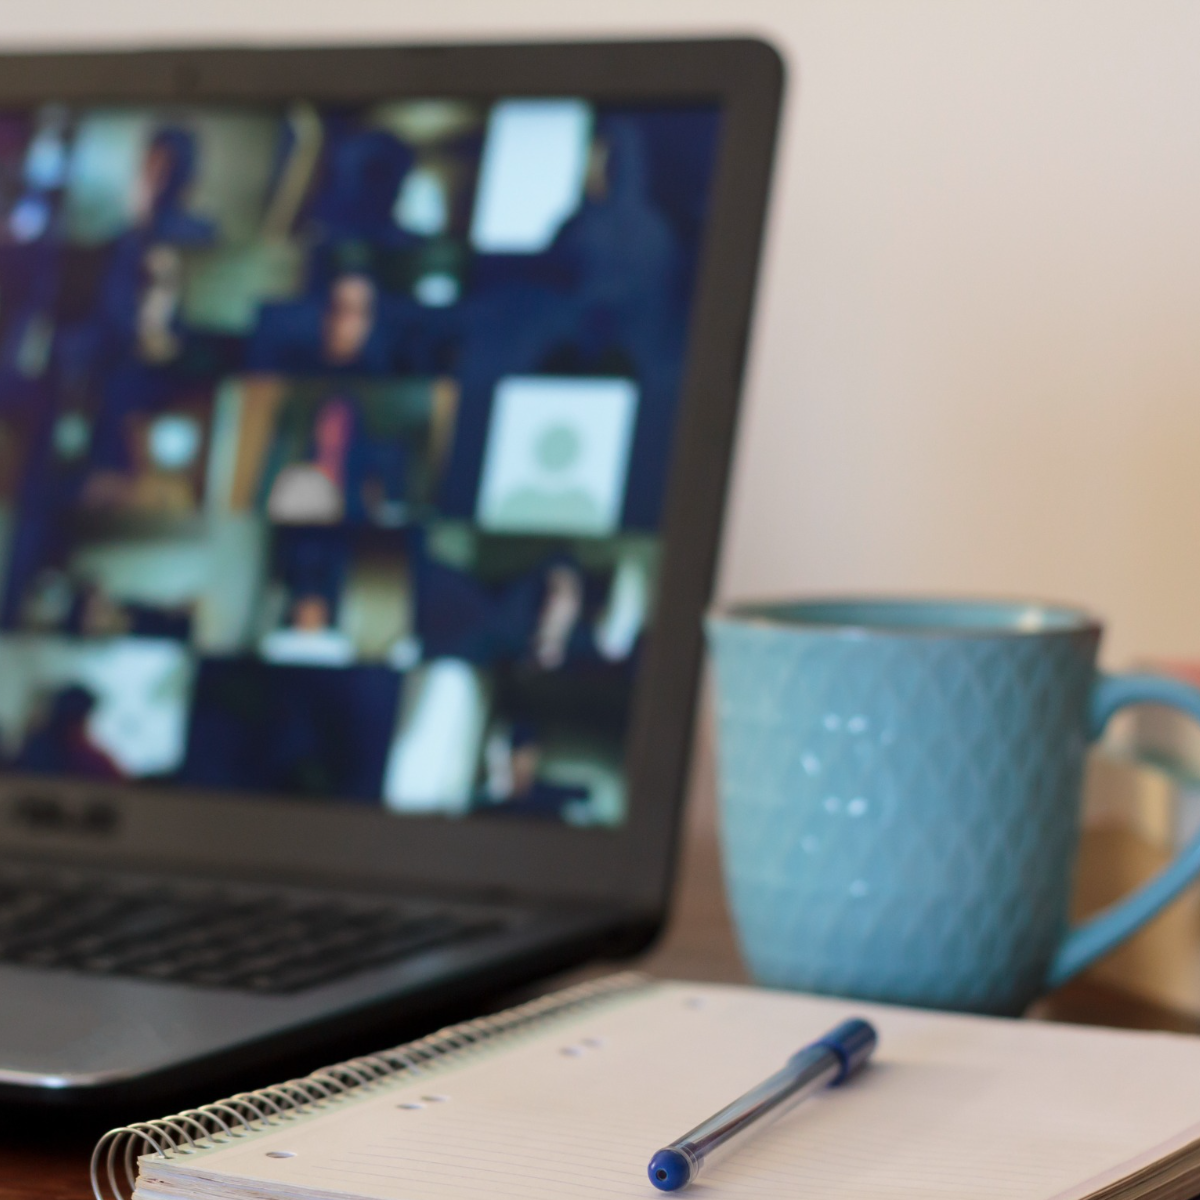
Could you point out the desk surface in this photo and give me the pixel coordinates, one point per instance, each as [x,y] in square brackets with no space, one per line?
[44,1159]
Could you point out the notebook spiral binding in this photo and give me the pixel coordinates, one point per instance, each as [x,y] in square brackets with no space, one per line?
[248,1113]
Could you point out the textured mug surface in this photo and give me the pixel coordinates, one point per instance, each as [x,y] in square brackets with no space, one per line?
[900,791]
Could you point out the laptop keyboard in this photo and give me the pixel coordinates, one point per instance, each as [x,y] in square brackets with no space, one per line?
[262,943]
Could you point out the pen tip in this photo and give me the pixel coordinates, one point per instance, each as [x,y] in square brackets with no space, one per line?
[669,1170]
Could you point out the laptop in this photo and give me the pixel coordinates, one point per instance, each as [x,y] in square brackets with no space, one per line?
[365,418]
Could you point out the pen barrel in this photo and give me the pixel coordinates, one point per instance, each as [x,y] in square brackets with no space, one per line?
[807,1072]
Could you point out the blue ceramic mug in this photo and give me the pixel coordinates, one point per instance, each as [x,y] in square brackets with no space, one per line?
[900,794]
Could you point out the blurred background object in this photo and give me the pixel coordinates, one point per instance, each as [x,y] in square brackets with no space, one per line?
[1143,806]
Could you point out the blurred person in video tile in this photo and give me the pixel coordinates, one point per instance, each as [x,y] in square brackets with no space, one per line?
[141,294]
[150,462]
[309,637]
[535,618]
[96,613]
[61,743]
[512,788]
[561,609]
[311,565]
[161,193]
[313,492]
[357,200]
[341,328]
[137,330]
[328,463]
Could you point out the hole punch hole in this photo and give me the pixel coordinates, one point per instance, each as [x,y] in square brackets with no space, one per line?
[410,1105]
[436,1099]
[571,1051]
[281,1154]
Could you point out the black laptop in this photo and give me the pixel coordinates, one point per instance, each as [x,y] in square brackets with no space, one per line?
[365,418]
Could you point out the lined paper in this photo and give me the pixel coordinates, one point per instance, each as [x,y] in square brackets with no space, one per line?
[951,1106]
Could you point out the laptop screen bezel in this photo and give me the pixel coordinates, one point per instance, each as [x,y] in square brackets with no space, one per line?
[270,837]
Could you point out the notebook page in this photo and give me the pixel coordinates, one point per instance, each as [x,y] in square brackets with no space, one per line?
[951,1106]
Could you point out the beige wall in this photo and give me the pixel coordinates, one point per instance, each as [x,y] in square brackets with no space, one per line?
[978,363]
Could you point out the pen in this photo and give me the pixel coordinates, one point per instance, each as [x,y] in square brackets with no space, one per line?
[827,1062]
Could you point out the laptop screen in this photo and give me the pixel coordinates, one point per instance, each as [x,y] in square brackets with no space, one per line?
[333,444]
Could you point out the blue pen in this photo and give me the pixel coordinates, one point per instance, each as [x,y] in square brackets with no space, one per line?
[827,1062]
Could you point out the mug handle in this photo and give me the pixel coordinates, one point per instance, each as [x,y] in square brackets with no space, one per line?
[1112,925]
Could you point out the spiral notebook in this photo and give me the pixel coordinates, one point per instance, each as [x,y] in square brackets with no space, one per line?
[567,1097]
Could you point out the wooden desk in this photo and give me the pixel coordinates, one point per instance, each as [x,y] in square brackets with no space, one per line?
[43,1157]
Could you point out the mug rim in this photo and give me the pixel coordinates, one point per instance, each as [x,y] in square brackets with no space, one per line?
[1028,618]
